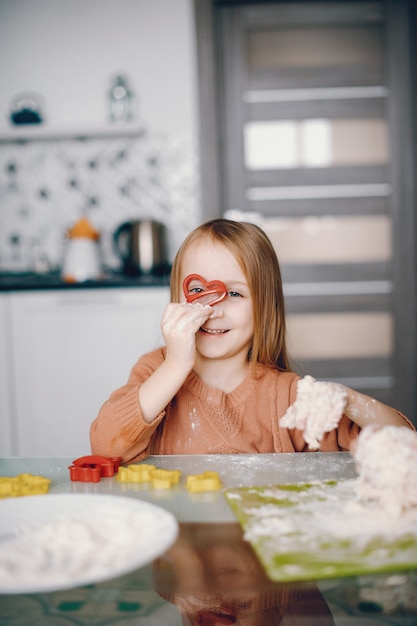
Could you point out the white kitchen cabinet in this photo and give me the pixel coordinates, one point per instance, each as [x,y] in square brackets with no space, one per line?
[6,423]
[70,350]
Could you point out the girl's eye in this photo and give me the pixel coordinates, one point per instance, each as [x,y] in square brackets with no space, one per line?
[196,290]
[234,294]
[244,604]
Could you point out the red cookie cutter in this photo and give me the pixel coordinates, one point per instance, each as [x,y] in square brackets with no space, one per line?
[89,469]
[212,288]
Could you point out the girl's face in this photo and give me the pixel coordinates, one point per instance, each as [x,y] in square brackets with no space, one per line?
[229,333]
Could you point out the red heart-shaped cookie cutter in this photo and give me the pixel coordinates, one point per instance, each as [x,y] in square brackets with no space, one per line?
[212,288]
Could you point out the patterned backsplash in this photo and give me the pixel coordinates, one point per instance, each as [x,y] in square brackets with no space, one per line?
[47,185]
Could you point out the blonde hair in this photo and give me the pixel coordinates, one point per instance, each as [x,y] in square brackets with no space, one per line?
[256,256]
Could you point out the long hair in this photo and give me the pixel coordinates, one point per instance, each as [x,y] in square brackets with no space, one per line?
[256,256]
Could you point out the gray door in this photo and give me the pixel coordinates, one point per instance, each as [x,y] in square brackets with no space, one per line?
[312,101]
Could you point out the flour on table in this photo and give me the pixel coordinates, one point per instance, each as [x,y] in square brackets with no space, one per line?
[386,461]
[317,409]
[324,529]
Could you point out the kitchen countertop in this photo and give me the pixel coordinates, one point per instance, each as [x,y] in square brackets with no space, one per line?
[165,592]
[31,281]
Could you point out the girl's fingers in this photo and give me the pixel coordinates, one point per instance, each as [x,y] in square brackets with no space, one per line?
[179,326]
[182,316]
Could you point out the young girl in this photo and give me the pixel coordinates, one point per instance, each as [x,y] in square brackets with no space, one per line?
[222,382]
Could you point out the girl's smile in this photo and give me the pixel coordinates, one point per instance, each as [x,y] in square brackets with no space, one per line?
[213,331]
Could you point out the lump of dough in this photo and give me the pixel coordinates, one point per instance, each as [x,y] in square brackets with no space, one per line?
[386,461]
[317,409]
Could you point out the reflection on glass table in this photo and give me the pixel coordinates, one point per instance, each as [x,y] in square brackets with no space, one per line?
[212,575]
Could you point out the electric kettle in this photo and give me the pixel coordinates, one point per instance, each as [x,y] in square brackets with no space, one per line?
[82,255]
[142,247]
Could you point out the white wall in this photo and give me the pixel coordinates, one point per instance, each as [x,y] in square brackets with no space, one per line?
[68,50]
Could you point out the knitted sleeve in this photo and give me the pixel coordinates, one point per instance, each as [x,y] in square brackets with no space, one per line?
[119,429]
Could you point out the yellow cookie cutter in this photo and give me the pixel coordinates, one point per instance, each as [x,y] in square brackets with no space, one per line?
[164,479]
[208,481]
[23,485]
[144,473]
[135,473]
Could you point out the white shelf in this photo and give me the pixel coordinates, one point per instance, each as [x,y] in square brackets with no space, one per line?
[43,132]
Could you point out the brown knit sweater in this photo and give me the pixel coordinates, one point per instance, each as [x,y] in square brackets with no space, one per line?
[204,420]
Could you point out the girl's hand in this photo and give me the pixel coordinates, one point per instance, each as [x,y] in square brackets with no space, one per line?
[317,409]
[179,326]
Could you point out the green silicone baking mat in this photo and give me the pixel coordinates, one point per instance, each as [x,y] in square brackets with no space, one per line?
[317,530]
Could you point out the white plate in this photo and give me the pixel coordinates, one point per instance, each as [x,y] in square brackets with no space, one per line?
[59,541]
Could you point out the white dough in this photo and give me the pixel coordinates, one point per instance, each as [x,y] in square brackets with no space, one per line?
[386,461]
[317,409]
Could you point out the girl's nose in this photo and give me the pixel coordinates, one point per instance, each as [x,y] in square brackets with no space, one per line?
[216,312]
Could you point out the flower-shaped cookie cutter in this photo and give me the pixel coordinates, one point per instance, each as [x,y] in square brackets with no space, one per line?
[207,293]
[90,469]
